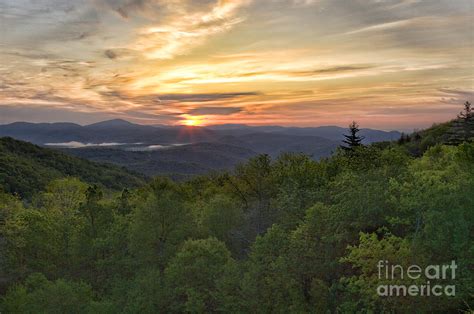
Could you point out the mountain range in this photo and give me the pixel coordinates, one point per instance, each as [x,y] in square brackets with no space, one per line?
[183,150]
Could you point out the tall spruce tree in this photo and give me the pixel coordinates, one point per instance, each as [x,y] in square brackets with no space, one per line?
[462,128]
[352,140]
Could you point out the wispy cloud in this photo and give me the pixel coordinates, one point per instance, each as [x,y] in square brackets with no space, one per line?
[333,70]
[204,97]
[187,28]
[268,61]
[159,98]
[382,26]
[214,110]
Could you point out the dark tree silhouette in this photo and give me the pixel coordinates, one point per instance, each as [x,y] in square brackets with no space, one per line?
[404,138]
[352,140]
[462,128]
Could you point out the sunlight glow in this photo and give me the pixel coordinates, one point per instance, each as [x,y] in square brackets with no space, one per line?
[200,63]
[192,121]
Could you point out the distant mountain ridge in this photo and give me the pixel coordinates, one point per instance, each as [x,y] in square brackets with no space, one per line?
[111,123]
[118,130]
[106,131]
[181,151]
[329,132]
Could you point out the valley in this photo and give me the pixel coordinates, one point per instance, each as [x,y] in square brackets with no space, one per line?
[183,151]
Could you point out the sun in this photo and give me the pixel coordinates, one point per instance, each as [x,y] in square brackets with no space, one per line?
[192,121]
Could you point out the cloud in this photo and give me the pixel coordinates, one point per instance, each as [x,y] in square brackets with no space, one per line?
[302,73]
[155,60]
[204,97]
[333,70]
[456,97]
[110,54]
[126,7]
[187,28]
[214,110]
[468,94]
[162,98]
[382,26]
[305,2]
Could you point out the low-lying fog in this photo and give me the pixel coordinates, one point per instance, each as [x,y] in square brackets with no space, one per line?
[135,147]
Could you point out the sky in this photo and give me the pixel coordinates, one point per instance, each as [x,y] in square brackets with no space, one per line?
[387,64]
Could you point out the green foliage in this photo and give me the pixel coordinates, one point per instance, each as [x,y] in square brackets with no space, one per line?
[194,273]
[221,218]
[267,286]
[26,169]
[146,293]
[462,129]
[290,235]
[454,132]
[161,222]
[38,295]
[301,184]
[362,286]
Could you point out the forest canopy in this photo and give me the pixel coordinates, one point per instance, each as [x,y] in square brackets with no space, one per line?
[285,235]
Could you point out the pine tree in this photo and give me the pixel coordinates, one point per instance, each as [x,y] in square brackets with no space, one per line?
[352,140]
[462,128]
[404,138]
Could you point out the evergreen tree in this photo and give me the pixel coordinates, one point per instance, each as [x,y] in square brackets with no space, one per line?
[462,128]
[404,138]
[352,140]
